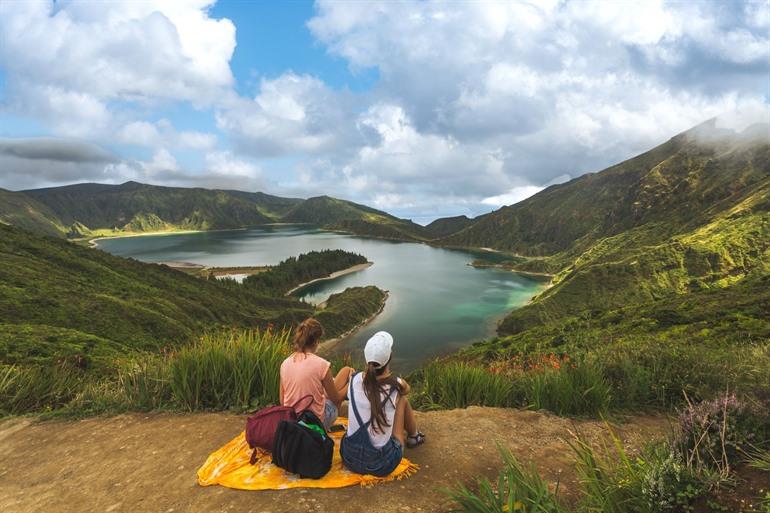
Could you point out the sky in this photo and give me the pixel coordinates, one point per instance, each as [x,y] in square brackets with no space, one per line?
[421,108]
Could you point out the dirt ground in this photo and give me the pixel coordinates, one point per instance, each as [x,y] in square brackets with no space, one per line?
[147,463]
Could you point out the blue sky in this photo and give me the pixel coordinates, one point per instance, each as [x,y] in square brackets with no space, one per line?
[421,108]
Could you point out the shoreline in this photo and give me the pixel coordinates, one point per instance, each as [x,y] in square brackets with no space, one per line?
[328,345]
[94,242]
[336,274]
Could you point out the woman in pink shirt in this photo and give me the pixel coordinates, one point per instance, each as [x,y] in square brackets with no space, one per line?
[306,375]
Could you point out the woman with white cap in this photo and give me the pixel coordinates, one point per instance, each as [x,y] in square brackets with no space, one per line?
[379,417]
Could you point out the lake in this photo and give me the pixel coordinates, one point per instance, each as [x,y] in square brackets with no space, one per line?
[437,303]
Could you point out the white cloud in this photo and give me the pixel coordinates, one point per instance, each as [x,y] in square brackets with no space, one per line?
[163,134]
[80,67]
[291,114]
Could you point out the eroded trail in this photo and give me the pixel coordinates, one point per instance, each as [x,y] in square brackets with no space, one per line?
[147,463]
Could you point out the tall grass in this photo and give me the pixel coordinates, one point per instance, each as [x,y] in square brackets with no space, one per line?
[458,385]
[24,389]
[237,369]
[518,488]
[580,390]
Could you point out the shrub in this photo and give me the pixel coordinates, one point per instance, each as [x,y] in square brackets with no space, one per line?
[612,481]
[518,488]
[715,434]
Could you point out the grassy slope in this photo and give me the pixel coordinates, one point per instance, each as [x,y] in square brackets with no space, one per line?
[135,207]
[87,210]
[447,226]
[48,285]
[682,217]
[348,308]
[21,210]
[344,215]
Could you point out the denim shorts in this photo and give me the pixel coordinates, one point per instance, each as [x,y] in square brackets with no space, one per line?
[330,414]
[365,459]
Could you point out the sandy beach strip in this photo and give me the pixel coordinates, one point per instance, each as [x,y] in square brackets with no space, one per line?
[349,270]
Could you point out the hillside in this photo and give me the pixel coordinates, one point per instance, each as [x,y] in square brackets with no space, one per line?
[74,300]
[18,209]
[690,214]
[91,209]
[446,226]
[135,207]
[337,214]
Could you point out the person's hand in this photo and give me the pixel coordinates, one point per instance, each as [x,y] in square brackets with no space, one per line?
[351,371]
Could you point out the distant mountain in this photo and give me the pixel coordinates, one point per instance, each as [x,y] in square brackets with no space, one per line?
[347,216]
[690,214]
[447,226]
[19,209]
[91,209]
[135,207]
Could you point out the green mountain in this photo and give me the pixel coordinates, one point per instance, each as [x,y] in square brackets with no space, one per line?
[447,226]
[135,207]
[19,209]
[337,214]
[60,298]
[274,207]
[90,209]
[690,214]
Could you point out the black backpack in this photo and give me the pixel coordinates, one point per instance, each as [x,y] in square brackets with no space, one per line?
[303,450]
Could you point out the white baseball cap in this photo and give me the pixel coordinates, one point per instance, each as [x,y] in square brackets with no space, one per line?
[378,348]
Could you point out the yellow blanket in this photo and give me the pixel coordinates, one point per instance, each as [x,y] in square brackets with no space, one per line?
[229,466]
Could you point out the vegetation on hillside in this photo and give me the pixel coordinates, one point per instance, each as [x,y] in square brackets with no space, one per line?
[710,444]
[691,214]
[48,285]
[447,226]
[18,209]
[345,310]
[341,215]
[99,209]
[294,271]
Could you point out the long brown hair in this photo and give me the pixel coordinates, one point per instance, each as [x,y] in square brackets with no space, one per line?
[373,387]
[307,335]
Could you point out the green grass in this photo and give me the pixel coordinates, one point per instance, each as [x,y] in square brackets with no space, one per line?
[224,370]
[346,309]
[582,390]
[458,385]
[519,488]
[239,370]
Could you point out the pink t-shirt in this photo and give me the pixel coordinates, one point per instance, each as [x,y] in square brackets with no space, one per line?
[302,375]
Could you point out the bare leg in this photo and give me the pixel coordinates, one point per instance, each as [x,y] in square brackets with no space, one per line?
[404,422]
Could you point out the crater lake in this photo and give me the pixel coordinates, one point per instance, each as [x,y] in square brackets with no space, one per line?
[437,302]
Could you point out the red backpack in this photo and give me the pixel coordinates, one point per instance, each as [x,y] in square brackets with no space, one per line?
[261,426]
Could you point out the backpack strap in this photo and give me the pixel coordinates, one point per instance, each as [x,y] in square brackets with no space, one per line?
[352,397]
[312,400]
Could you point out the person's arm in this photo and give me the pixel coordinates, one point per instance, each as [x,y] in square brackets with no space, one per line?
[332,393]
[405,388]
[280,395]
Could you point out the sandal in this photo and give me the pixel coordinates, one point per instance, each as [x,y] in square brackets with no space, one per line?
[413,441]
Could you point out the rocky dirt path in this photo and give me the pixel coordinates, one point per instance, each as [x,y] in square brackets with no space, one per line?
[147,463]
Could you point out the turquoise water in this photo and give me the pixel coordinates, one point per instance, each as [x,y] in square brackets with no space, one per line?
[437,303]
